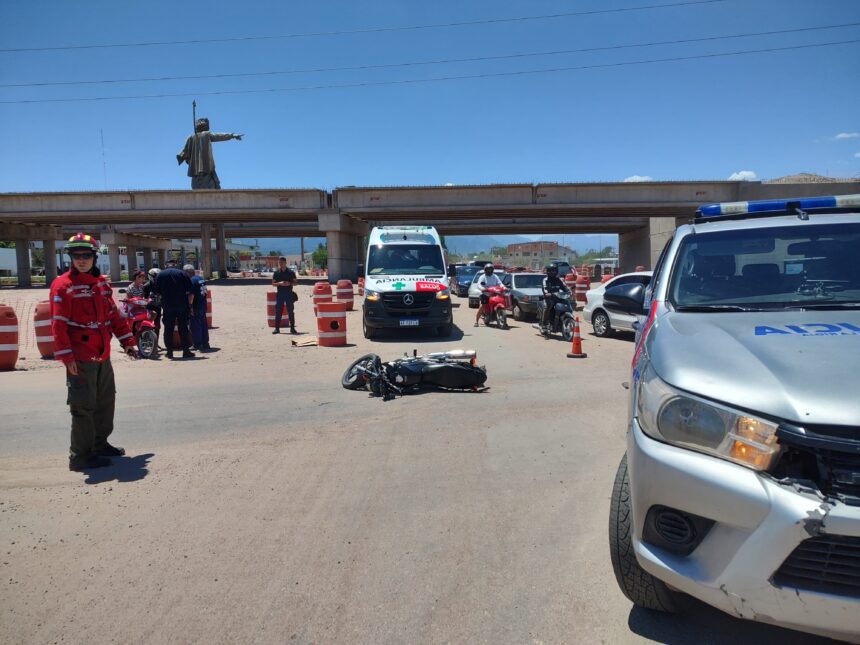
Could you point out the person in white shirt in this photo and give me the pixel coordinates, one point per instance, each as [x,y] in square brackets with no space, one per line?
[489,279]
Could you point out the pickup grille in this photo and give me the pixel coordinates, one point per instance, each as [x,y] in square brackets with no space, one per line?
[827,564]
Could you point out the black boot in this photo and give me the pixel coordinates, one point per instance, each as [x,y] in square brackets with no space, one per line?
[293,330]
[277,331]
[109,451]
[187,353]
[79,464]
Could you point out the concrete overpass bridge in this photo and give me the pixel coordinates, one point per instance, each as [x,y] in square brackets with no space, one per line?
[642,214]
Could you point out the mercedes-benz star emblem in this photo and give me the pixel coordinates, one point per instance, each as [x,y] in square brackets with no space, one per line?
[408,299]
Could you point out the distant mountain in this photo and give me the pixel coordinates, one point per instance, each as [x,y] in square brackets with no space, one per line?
[581,243]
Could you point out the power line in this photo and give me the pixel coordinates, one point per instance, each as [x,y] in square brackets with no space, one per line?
[428,62]
[438,78]
[369,30]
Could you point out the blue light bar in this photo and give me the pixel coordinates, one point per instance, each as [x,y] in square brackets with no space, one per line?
[777,206]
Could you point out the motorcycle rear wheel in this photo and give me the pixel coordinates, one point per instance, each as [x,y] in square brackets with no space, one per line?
[352,378]
[501,318]
[147,343]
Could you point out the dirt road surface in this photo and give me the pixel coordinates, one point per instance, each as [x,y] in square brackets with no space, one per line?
[262,503]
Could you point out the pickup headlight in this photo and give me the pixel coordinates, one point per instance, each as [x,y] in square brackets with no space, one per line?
[680,419]
[373,296]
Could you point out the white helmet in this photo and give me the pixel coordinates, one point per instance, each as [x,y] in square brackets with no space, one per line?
[154,271]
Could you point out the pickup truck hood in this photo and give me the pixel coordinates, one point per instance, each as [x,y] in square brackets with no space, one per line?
[403,283]
[797,366]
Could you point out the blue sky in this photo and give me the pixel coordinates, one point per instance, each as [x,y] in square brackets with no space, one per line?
[770,114]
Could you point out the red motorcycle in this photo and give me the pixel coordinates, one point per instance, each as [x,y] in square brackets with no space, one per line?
[495,308]
[142,325]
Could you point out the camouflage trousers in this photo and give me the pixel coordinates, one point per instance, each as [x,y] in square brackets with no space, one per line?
[91,399]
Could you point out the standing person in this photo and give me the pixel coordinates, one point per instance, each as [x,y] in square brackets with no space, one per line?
[284,279]
[199,328]
[176,299]
[83,316]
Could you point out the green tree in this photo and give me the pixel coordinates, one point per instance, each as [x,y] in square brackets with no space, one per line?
[274,254]
[320,256]
[7,245]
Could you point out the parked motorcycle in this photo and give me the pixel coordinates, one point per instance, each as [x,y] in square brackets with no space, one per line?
[562,316]
[142,325]
[495,308]
[454,370]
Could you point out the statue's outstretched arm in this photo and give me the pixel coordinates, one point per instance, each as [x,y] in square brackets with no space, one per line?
[224,136]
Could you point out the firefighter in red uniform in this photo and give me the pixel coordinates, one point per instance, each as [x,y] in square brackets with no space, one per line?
[83,317]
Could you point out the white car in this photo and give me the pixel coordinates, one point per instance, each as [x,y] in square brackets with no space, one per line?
[475,290]
[601,320]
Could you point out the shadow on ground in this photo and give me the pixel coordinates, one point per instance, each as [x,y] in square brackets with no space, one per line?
[122,469]
[703,625]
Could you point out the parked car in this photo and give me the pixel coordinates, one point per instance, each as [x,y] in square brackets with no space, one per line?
[603,322]
[563,267]
[464,277]
[526,292]
[475,291]
[741,481]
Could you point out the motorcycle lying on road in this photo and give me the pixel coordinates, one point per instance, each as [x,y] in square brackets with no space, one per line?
[454,370]
[142,324]
[495,307]
[562,316]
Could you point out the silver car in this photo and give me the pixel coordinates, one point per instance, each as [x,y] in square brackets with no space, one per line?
[603,321]
[526,293]
[741,481]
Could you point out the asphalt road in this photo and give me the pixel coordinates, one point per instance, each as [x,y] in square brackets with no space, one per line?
[261,502]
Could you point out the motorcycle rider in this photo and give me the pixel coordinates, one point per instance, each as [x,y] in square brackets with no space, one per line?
[552,285]
[489,279]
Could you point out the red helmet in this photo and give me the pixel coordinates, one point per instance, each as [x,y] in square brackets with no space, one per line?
[82,242]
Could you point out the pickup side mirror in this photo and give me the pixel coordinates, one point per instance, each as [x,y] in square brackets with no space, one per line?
[625,299]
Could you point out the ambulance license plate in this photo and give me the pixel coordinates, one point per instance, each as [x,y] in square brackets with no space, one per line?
[408,322]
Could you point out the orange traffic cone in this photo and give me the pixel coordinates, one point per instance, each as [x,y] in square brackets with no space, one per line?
[576,346]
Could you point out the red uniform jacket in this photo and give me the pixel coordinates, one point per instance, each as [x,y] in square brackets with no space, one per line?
[83,316]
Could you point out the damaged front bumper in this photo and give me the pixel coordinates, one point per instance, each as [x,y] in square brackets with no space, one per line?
[751,527]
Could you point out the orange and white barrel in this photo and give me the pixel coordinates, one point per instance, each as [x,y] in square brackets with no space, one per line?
[42,325]
[583,283]
[344,293]
[8,337]
[570,281]
[208,309]
[322,293]
[271,300]
[331,324]
[361,286]
[606,277]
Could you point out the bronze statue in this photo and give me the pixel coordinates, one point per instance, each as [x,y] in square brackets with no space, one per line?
[197,153]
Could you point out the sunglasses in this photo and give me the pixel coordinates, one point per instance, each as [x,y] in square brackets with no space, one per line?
[83,256]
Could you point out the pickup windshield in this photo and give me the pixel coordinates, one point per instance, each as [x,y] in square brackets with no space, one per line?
[405,259]
[768,268]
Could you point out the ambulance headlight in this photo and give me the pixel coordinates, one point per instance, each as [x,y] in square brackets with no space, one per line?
[687,421]
[373,296]
[442,295]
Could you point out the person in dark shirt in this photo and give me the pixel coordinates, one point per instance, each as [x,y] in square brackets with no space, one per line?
[176,299]
[199,328]
[284,279]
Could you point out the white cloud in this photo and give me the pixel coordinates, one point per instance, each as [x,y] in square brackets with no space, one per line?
[846,135]
[743,175]
[857,154]
[634,178]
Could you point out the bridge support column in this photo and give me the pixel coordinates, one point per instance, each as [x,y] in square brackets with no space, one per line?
[113,261]
[162,258]
[343,241]
[206,250]
[50,248]
[661,230]
[634,249]
[131,259]
[22,257]
[221,243]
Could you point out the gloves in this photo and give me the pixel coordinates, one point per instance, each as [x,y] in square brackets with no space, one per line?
[131,350]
